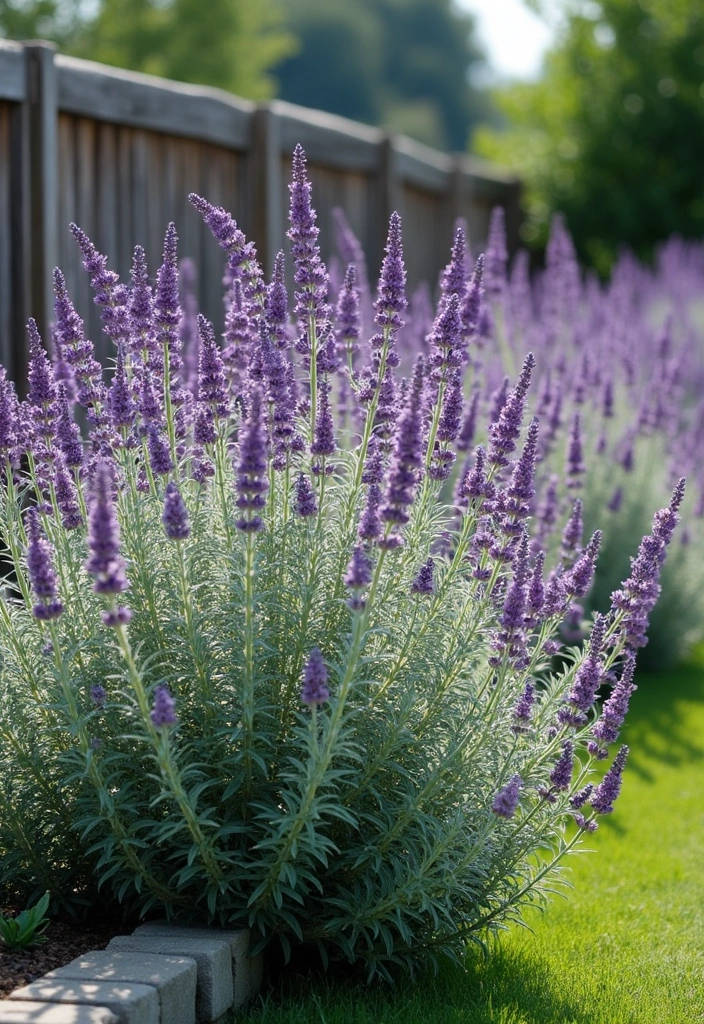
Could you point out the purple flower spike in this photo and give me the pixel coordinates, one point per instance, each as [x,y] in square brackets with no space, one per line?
[407,460]
[453,280]
[66,495]
[561,775]
[609,788]
[446,340]
[242,259]
[105,562]
[581,796]
[42,386]
[587,678]
[40,570]
[276,304]
[315,677]
[523,709]
[310,274]
[472,306]
[359,575]
[141,308]
[167,305]
[305,503]
[507,428]
[110,296]
[521,488]
[252,483]
[159,457]
[163,713]
[212,384]
[506,800]
[370,527]
[580,577]
[175,515]
[473,484]
[572,534]
[575,465]
[347,315]
[423,582]
[99,695]
[391,299]
[614,711]
[496,253]
[122,409]
[324,439]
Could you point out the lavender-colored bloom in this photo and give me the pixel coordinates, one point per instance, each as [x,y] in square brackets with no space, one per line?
[252,483]
[616,707]
[497,400]
[347,315]
[188,328]
[575,465]
[99,695]
[472,305]
[505,431]
[358,576]
[453,280]
[241,254]
[446,339]
[40,570]
[512,616]
[469,424]
[110,296]
[212,384]
[324,438]
[506,800]
[118,616]
[276,304]
[42,386]
[122,410]
[616,500]
[370,527]
[586,824]
[167,305]
[8,414]
[580,577]
[496,254]
[581,796]
[587,678]
[407,460]
[305,503]
[536,589]
[105,562]
[78,351]
[373,472]
[572,533]
[423,581]
[473,484]
[521,488]
[561,775]
[391,298]
[609,788]
[66,495]
[451,415]
[523,709]
[175,515]
[141,310]
[68,436]
[310,274]
[163,712]
[315,677]
[159,456]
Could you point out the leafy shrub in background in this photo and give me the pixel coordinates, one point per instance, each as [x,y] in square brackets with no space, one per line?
[27,929]
[255,669]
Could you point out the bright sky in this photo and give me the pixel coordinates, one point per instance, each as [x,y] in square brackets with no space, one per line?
[513,37]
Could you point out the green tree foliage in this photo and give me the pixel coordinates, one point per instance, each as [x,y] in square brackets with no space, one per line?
[613,133]
[231,44]
[402,63]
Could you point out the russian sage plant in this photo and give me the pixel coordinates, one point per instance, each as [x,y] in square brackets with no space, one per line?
[256,669]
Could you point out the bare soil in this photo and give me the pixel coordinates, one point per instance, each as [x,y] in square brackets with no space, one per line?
[65,941]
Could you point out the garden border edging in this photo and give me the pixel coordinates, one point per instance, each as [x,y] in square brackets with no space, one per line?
[142,978]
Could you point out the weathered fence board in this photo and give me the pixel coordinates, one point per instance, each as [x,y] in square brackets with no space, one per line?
[118,153]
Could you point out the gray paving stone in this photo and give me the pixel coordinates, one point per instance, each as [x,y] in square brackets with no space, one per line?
[174,978]
[131,1003]
[12,1012]
[247,971]
[213,957]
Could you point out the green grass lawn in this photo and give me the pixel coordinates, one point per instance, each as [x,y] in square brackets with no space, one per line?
[628,944]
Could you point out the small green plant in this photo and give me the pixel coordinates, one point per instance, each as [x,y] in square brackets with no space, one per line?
[27,929]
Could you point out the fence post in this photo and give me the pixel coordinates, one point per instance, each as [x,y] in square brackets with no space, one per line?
[266,185]
[43,169]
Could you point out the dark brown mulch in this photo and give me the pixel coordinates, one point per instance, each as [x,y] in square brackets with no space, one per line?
[64,943]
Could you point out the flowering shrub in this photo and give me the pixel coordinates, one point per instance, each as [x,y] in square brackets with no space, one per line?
[256,669]
[619,373]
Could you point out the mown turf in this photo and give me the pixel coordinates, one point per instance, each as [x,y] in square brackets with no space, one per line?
[627,947]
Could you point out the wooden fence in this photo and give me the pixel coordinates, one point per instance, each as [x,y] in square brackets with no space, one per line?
[118,152]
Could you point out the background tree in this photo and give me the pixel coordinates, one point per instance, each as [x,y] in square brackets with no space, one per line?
[613,133]
[407,64]
[231,44]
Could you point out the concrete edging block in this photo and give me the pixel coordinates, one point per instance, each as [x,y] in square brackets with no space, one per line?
[247,971]
[131,1003]
[213,957]
[12,1012]
[174,978]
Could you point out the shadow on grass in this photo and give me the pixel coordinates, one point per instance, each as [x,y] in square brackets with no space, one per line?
[506,987]
[658,725]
